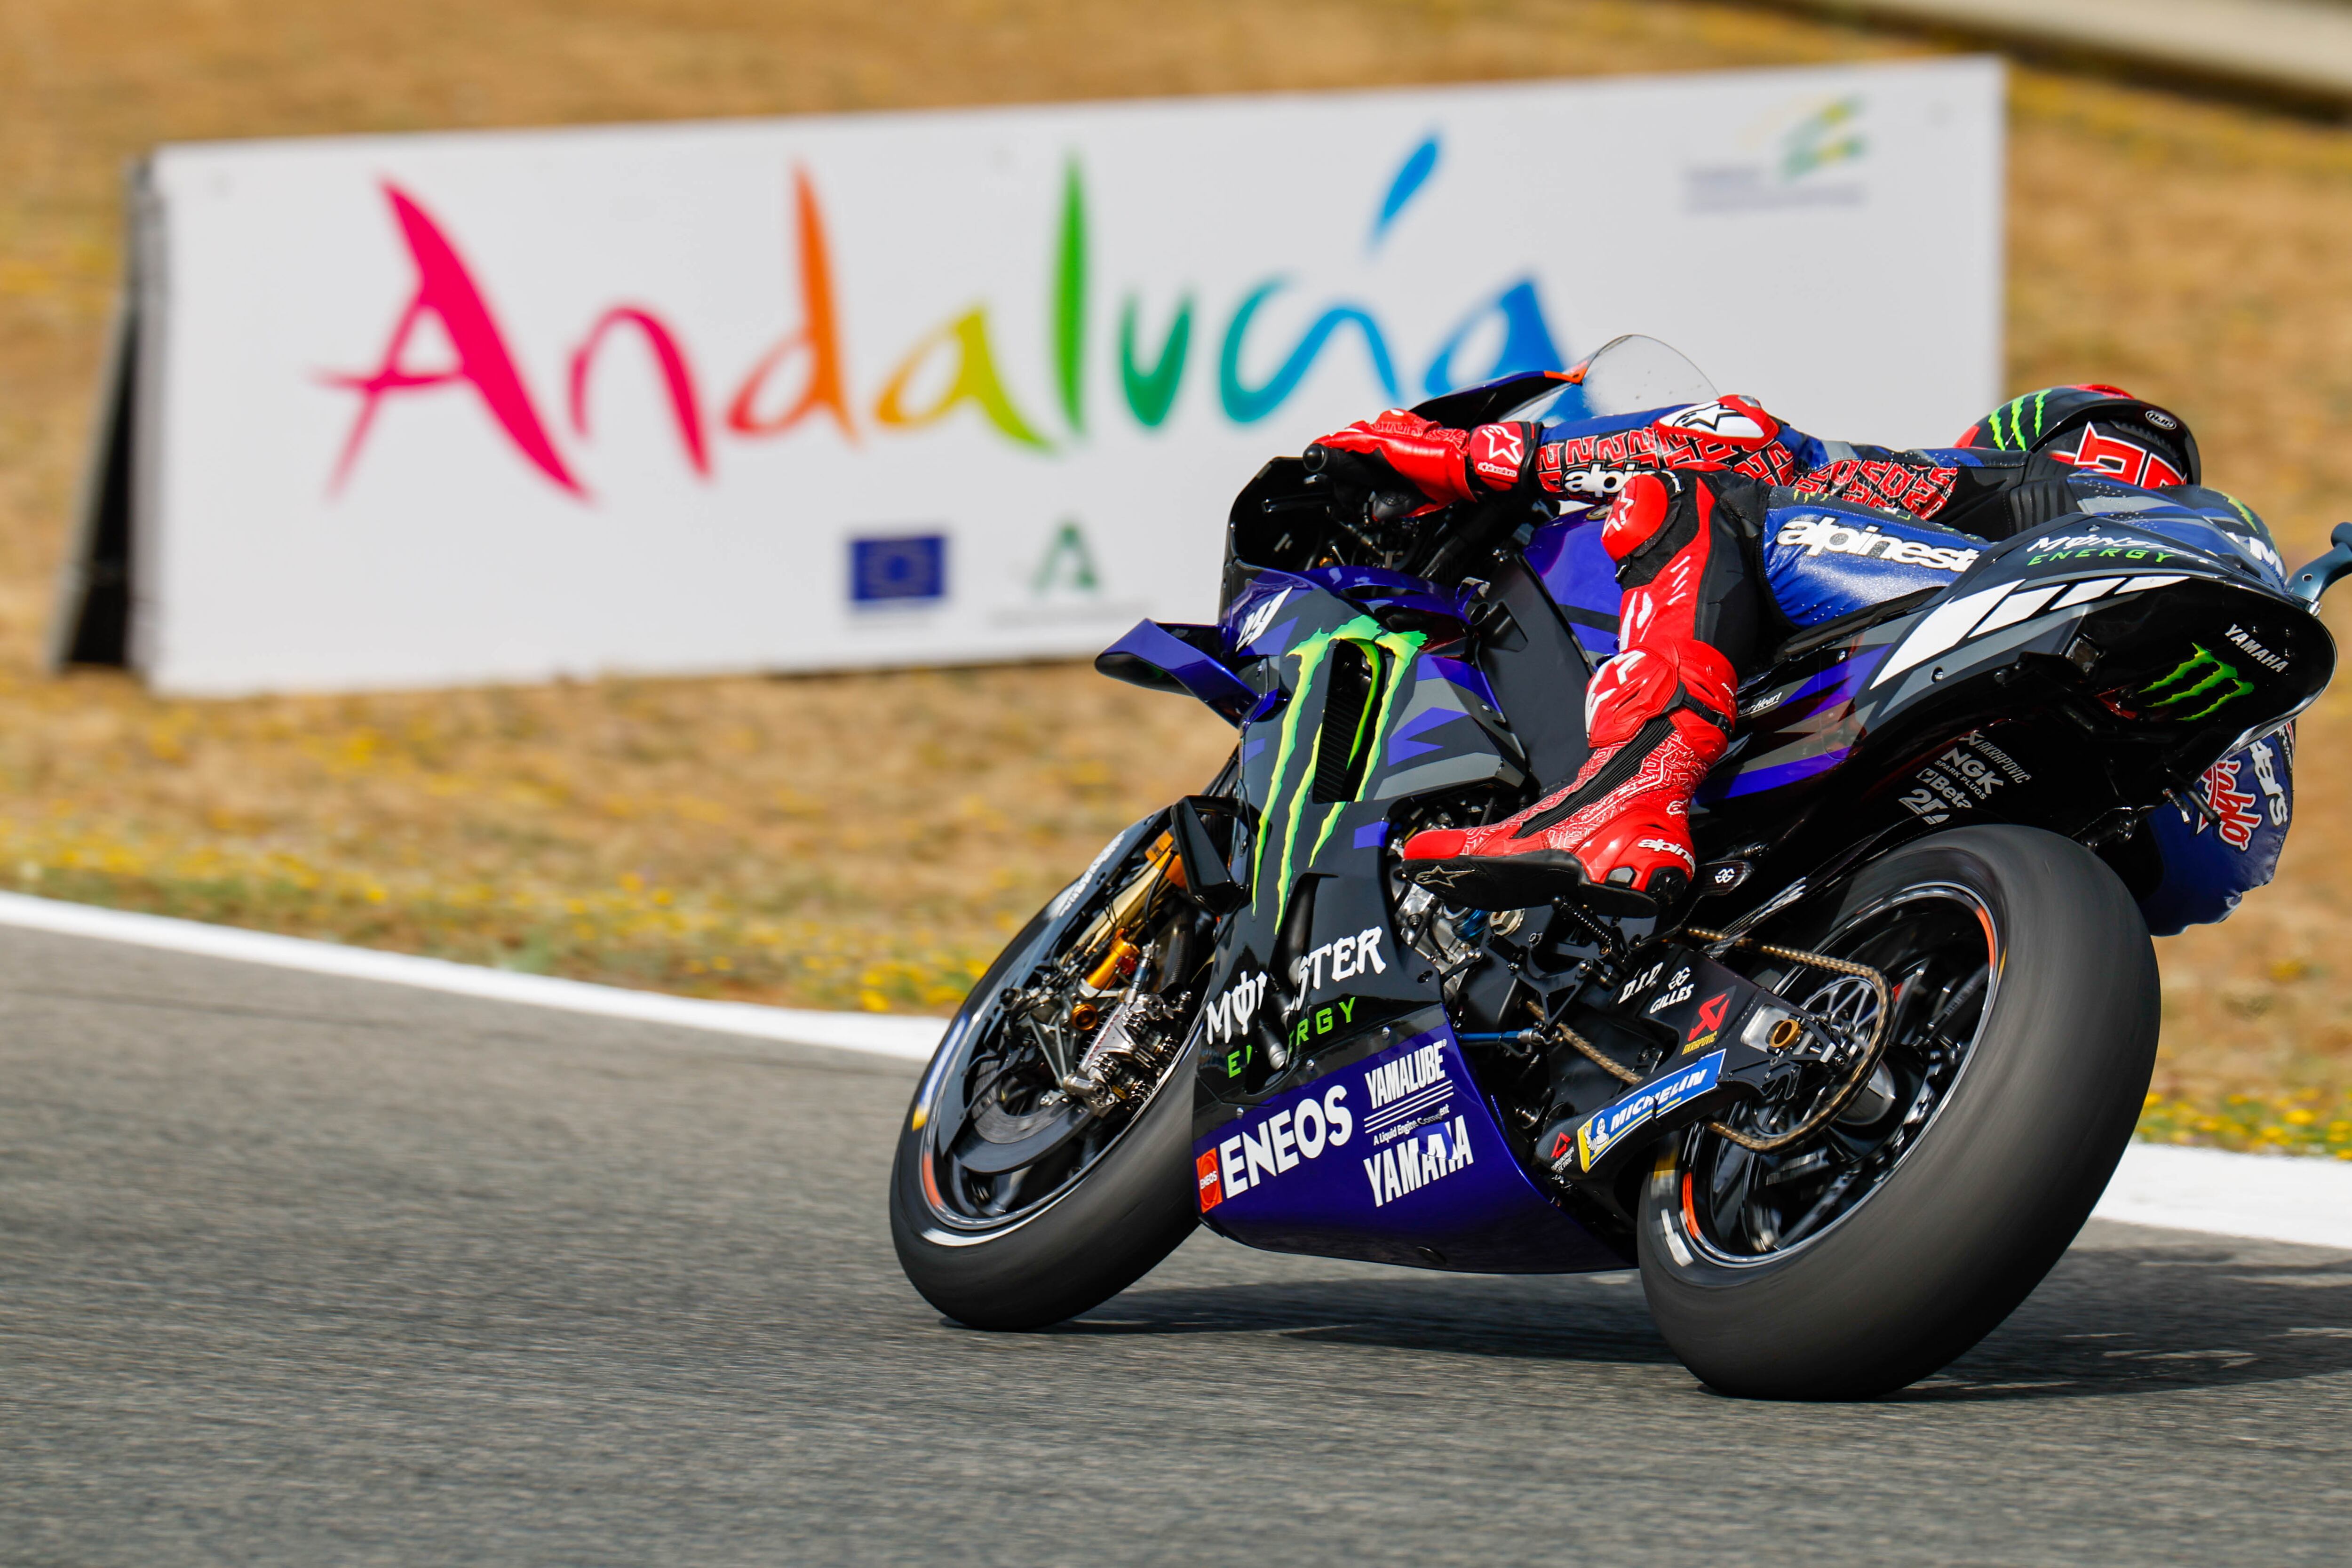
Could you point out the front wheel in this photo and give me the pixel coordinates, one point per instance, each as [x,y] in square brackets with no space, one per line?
[1046,1163]
[2024,1035]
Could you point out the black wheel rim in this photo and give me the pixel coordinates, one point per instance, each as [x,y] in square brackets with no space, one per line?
[1939,947]
[1001,1142]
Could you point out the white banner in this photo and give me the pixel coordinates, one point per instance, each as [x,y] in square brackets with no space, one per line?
[919,389]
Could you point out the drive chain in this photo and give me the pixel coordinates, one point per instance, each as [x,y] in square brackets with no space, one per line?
[1864,1066]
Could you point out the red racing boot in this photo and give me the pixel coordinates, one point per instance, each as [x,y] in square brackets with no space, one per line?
[1618,837]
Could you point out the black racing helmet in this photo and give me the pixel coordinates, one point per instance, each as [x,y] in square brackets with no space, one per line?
[2101,428]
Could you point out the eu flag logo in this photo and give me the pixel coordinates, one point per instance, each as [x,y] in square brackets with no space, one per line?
[905,569]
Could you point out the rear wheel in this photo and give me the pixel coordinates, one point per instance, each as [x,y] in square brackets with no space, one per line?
[2022,1040]
[1017,1199]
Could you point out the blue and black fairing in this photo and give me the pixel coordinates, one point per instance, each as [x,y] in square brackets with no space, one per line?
[1335,1111]
[2223,839]
[2070,679]
[1832,565]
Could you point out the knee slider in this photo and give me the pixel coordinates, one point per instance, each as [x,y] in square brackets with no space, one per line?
[1708,680]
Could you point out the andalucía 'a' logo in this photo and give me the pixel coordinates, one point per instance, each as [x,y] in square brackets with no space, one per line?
[445,291]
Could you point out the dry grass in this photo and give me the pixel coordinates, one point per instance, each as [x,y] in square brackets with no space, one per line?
[859,840]
[866,839]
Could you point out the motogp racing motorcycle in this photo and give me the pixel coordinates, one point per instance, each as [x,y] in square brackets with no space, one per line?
[1844,1107]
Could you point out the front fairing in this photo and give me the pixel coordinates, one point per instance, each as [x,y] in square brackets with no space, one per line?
[1357,712]
[1335,1112]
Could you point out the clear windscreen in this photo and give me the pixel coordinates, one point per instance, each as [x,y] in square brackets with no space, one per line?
[1625,375]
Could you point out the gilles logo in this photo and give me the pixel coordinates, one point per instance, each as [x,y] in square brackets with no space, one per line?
[805,379]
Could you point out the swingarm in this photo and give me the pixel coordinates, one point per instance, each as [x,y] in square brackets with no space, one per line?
[1762,1072]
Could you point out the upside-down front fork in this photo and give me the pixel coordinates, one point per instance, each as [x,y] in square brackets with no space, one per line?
[1127,1054]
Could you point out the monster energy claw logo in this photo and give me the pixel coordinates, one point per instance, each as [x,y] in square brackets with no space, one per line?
[1288,803]
[2016,408]
[2199,678]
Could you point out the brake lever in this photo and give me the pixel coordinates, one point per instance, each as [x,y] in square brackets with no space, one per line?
[2324,572]
[1275,505]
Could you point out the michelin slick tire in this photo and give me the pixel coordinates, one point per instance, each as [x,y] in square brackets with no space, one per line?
[1132,1208]
[1982,1202]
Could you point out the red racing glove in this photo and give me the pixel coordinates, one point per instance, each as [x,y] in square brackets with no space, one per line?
[1443,464]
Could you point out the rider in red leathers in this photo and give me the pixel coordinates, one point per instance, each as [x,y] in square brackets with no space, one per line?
[1686,495]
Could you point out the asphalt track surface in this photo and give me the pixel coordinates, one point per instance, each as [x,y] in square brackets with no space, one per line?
[306,1270]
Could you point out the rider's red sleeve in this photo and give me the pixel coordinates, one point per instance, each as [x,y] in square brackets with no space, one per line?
[1734,433]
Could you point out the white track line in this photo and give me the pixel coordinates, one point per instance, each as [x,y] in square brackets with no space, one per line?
[2278,1199]
[877,1034]
[2275,1197]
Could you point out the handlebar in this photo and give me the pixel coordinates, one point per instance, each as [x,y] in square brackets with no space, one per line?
[1386,497]
[1343,466]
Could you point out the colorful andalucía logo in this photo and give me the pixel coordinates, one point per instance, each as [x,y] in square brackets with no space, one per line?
[950,370]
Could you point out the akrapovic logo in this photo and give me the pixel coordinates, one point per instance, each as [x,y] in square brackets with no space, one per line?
[1822,534]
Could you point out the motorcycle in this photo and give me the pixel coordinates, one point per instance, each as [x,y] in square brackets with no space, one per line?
[1843,1107]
